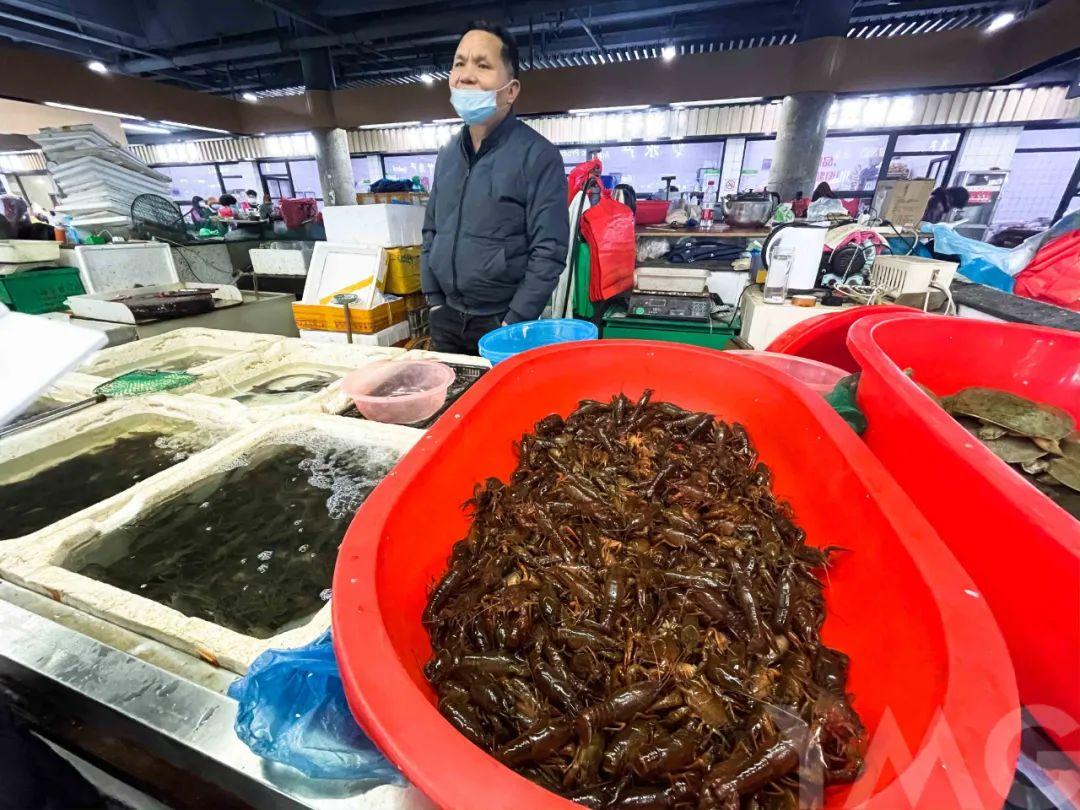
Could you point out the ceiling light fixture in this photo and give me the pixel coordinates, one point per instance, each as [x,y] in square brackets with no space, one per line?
[447,121]
[427,78]
[97,67]
[624,108]
[1002,20]
[668,52]
[145,128]
[195,126]
[94,110]
[717,102]
[390,125]
[249,97]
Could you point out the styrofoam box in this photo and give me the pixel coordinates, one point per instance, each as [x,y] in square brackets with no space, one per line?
[37,560]
[387,337]
[72,434]
[337,267]
[122,265]
[266,262]
[671,279]
[383,225]
[28,250]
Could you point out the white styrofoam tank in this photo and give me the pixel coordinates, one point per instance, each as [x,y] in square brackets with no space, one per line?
[194,350]
[200,424]
[288,357]
[38,561]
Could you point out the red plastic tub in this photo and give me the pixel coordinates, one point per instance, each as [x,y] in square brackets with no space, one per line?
[824,337]
[1022,549]
[651,212]
[930,672]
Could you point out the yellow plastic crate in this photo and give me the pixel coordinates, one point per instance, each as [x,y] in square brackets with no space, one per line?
[329,318]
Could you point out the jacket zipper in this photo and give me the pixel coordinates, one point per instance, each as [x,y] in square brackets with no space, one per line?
[457,229]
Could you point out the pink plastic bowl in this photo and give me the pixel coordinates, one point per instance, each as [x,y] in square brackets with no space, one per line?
[401,391]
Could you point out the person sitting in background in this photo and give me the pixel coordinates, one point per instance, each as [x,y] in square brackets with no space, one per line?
[200,211]
[823,190]
[228,206]
[943,200]
[799,205]
[251,201]
[266,207]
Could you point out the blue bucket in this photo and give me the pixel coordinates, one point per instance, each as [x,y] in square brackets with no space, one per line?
[509,340]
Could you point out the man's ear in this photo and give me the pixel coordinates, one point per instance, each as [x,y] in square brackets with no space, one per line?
[513,90]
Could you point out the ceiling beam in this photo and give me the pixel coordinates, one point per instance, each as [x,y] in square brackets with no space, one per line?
[298,13]
[117,25]
[67,32]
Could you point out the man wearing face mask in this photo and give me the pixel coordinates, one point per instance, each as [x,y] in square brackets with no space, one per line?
[496,227]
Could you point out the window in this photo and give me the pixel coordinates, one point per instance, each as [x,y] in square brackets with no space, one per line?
[190,181]
[928,142]
[572,157]
[305,178]
[1037,181]
[644,166]
[239,177]
[366,170]
[1063,138]
[852,163]
[405,167]
[756,163]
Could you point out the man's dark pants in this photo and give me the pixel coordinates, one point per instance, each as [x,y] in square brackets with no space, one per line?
[456,332]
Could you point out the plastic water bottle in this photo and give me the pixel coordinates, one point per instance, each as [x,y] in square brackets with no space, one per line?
[708,203]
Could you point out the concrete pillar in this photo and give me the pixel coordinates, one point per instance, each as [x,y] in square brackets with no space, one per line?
[335,166]
[800,140]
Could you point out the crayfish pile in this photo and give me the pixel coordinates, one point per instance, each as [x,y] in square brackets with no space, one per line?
[632,621]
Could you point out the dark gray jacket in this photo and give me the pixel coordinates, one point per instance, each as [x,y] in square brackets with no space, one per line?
[497,227]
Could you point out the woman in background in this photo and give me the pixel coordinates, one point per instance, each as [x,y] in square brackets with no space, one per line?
[200,211]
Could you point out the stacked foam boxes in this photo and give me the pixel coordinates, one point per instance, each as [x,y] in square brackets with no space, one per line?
[97,178]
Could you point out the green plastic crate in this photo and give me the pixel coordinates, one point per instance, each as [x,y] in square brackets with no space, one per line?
[42,290]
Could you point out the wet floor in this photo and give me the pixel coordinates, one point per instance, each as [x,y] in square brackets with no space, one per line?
[250,548]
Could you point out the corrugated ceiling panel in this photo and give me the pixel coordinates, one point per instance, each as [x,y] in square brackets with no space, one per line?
[982,109]
[929,112]
[944,107]
[971,103]
[997,103]
[1023,105]
[1008,111]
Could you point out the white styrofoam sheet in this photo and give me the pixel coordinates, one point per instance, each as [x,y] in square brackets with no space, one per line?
[167,348]
[72,434]
[28,250]
[37,561]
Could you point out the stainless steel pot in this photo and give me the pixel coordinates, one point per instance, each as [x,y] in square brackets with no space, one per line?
[750,209]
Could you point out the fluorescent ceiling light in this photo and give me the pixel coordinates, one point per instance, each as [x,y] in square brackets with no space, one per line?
[92,110]
[427,78]
[668,52]
[195,126]
[716,102]
[249,97]
[390,125]
[625,107]
[146,128]
[97,67]
[1000,21]
[447,121]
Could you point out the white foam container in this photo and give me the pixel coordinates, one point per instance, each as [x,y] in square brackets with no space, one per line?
[123,265]
[671,279]
[387,337]
[15,251]
[72,434]
[161,349]
[383,225]
[36,561]
[288,356]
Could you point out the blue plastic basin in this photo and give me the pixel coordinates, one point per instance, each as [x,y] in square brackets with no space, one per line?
[516,338]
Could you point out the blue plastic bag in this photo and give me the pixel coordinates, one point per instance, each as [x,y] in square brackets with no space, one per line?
[982,272]
[1011,261]
[293,711]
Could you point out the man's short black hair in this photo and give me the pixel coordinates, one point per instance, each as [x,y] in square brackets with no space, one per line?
[509,51]
[958,196]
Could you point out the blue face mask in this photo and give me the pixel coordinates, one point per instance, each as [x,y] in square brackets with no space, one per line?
[475,106]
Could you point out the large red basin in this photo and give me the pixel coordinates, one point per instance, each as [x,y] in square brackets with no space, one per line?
[1022,549]
[930,672]
[824,337]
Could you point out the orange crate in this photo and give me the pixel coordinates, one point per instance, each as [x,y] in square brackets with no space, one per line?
[328,318]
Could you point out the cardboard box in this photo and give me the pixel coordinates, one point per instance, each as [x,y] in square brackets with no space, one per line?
[382,225]
[403,270]
[331,318]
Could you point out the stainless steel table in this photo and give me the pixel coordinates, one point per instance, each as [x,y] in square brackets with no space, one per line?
[165,727]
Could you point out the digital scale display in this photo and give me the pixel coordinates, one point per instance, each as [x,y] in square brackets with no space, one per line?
[669,306]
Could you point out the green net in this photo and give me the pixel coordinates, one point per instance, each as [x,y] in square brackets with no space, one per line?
[144,381]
